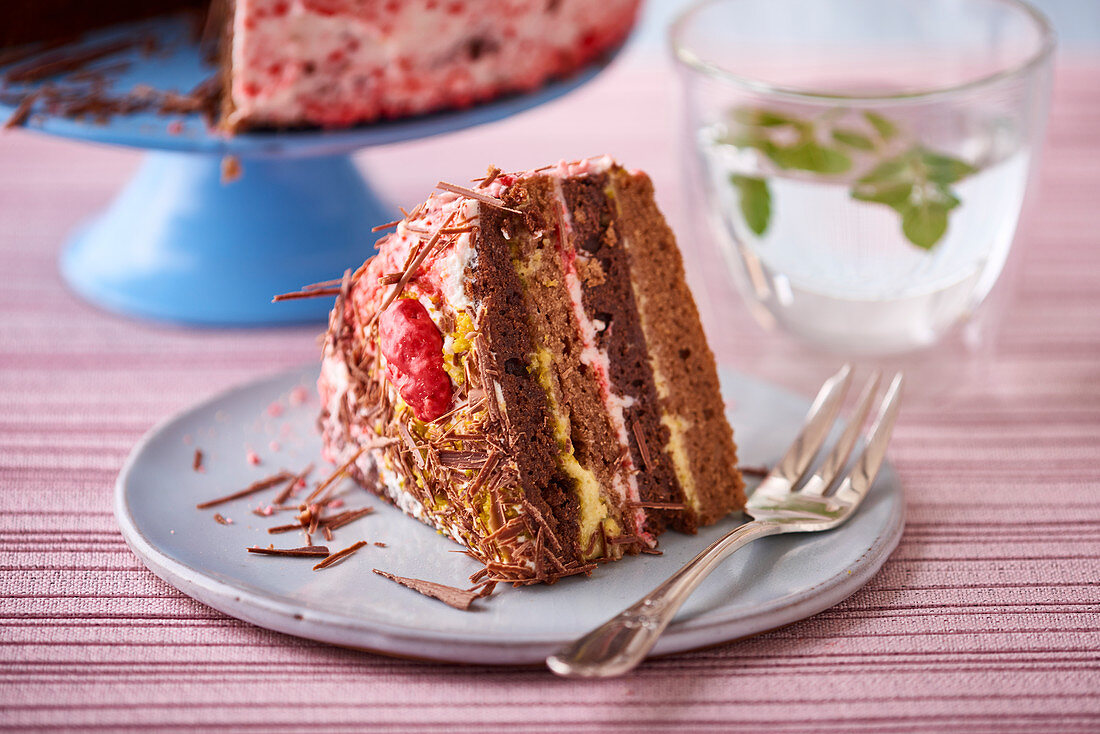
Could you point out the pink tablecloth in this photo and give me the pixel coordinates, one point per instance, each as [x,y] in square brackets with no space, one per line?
[986,618]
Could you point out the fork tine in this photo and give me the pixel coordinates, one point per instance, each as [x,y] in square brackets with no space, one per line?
[855,485]
[838,457]
[815,428]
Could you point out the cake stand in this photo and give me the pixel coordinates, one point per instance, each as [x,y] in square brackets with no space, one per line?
[180,244]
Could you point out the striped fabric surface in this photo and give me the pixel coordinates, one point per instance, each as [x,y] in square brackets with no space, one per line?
[987,617]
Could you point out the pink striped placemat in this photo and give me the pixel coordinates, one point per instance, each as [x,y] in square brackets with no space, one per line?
[986,618]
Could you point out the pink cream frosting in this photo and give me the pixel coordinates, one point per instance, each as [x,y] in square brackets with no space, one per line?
[338,62]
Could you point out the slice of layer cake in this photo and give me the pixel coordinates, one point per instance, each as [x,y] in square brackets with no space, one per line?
[522,367]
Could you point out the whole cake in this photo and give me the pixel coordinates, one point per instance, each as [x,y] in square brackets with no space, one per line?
[522,367]
[333,63]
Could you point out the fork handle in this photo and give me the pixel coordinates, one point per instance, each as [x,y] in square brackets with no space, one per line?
[622,642]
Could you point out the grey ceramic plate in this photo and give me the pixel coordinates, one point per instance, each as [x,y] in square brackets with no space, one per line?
[772,582]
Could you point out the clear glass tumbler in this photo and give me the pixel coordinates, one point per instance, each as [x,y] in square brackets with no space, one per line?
[863,162]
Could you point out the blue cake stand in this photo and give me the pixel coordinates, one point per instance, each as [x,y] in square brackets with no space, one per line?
[178,244]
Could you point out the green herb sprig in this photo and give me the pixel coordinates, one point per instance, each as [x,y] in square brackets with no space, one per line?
[916,182]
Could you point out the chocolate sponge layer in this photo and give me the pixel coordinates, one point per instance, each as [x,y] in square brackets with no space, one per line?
[678,347]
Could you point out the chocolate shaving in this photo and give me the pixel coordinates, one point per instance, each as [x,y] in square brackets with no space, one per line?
[311,551]
[22,112]
[284,495]
[493,173]
[411,267]
[99,73]
[296,295]
[487,468]
[220,519]
[390,278]
[334,476]
[652,552]
[196,463]
[484,589]
[643,449]
[534,512]
[754,471]
[322,284]
[284,528]
[449,595]
[445,230]
[411,444]
[624,540]
[658,505]
[591,547]
[64,60]
[22,53]
[340,555]
[387,225]
[379,544]
[472,194]
[327,532]
[463,459]
[250,489]
[339,521]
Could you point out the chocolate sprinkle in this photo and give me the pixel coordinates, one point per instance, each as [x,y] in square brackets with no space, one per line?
[196,464]
[449,595]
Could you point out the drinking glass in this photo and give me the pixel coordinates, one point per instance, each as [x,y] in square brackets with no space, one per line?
[863,163]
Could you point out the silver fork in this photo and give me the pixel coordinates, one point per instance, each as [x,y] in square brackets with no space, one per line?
[777,506]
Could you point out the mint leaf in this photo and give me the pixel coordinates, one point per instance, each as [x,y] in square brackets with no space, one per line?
[924,224]
[756,117]
[853,139]
[808,155]
[944,196]
[756,201]
[885,129]
[944,169]
[891,193]
[892,170]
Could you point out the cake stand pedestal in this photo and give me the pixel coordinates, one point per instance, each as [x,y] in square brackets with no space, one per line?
[181,244]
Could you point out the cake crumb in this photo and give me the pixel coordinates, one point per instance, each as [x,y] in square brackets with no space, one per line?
[222,519]
[299,396]
[252,458]
[231,169]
